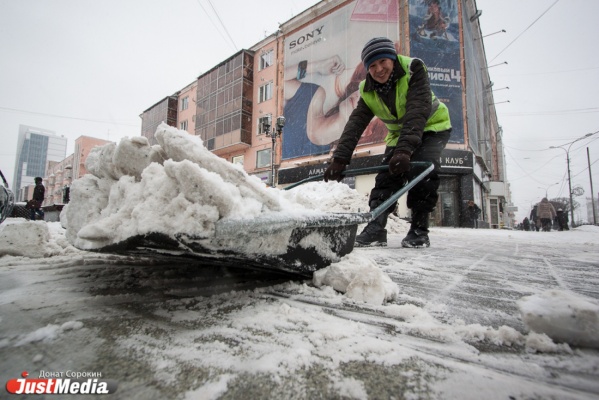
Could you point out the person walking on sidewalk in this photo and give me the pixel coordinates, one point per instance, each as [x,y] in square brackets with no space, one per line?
[535,223]
[473,212]
[35,203]
[562,220]
[546,213]
[397,91]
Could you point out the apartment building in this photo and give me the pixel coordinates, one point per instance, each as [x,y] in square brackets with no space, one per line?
[58,179]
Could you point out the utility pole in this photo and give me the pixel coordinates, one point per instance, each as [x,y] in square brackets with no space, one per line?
[592,192]
[570,180]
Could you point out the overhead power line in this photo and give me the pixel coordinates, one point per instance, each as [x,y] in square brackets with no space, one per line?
[524,31]
[539,73]
[66,117]
[555,112]
[215,26]
[223,25]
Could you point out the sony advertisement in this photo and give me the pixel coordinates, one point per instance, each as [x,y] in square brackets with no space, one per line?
[322,73]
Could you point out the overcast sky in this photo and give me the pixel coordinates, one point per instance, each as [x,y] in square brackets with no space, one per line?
[82,67]
[552,75]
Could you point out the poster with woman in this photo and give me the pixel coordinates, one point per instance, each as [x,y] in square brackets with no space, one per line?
[323,72]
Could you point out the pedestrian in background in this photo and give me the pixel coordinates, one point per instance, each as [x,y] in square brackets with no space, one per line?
[526,224]
[35,204]
[562,220]
[535,222]
[472,212]
[546,213]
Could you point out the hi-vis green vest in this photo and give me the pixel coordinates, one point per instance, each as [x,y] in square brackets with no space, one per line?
[437,121]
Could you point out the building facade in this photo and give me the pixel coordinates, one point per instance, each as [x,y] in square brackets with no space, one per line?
[309,71]
[163,111]
[186,111]
[83,146]
[35,148]
[60,174]
[58,181]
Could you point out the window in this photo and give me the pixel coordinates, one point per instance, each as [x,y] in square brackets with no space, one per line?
[263,158]
[265,92]
[261,122]
[184,103]
[183,125]
[238,160]
[266,59]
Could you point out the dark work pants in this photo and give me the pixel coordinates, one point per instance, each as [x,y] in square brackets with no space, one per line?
[422,198]
[37,211]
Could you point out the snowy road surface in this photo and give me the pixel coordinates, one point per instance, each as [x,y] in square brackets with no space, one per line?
[179,331]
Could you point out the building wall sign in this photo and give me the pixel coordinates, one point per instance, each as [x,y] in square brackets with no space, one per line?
[292,175]
[457,161]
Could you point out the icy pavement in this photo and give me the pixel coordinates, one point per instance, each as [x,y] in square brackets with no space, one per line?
[178,331]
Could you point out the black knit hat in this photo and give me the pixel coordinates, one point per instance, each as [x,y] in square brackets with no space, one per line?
[378,48]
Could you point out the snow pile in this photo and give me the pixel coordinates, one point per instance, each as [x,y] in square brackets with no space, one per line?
[191,187]
[33,239]
[563,316]
[359,278]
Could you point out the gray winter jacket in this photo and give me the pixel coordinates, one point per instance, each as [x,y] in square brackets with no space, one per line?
[545,209]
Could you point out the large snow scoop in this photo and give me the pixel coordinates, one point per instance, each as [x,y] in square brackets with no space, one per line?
[289,243]
[315,242]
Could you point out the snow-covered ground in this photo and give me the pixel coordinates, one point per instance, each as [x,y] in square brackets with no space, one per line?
[491,314]
[459,326]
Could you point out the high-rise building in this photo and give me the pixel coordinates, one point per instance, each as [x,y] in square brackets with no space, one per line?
[36,146]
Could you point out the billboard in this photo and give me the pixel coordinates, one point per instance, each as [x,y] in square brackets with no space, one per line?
[322,73]
[434,38]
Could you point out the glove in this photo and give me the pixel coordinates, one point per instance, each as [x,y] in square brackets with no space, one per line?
[335,170]
[399,163]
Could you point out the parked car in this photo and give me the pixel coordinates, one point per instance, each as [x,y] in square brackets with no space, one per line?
[7,199]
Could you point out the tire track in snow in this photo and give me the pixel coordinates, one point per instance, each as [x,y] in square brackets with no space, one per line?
[560,282]
[459,278]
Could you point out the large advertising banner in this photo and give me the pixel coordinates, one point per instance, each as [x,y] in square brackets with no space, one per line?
[322,72]
[434,38]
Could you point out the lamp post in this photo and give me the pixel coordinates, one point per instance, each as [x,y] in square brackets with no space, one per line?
[273,132]
[547,188]
[569,180]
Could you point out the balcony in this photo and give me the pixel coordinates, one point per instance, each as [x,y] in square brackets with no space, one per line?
[230,142]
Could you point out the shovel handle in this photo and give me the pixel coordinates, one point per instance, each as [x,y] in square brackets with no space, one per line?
[429,167]
[357,172]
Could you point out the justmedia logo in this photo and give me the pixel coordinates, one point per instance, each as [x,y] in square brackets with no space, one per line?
[62,383]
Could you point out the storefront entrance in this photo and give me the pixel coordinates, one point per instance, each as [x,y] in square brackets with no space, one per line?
[447,211]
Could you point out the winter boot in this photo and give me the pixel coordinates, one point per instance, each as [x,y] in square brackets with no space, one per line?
[374,234]
[418,234]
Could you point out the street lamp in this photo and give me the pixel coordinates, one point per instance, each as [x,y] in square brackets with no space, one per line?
[501,31]
[569,180]
[547,188]
[273,133]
